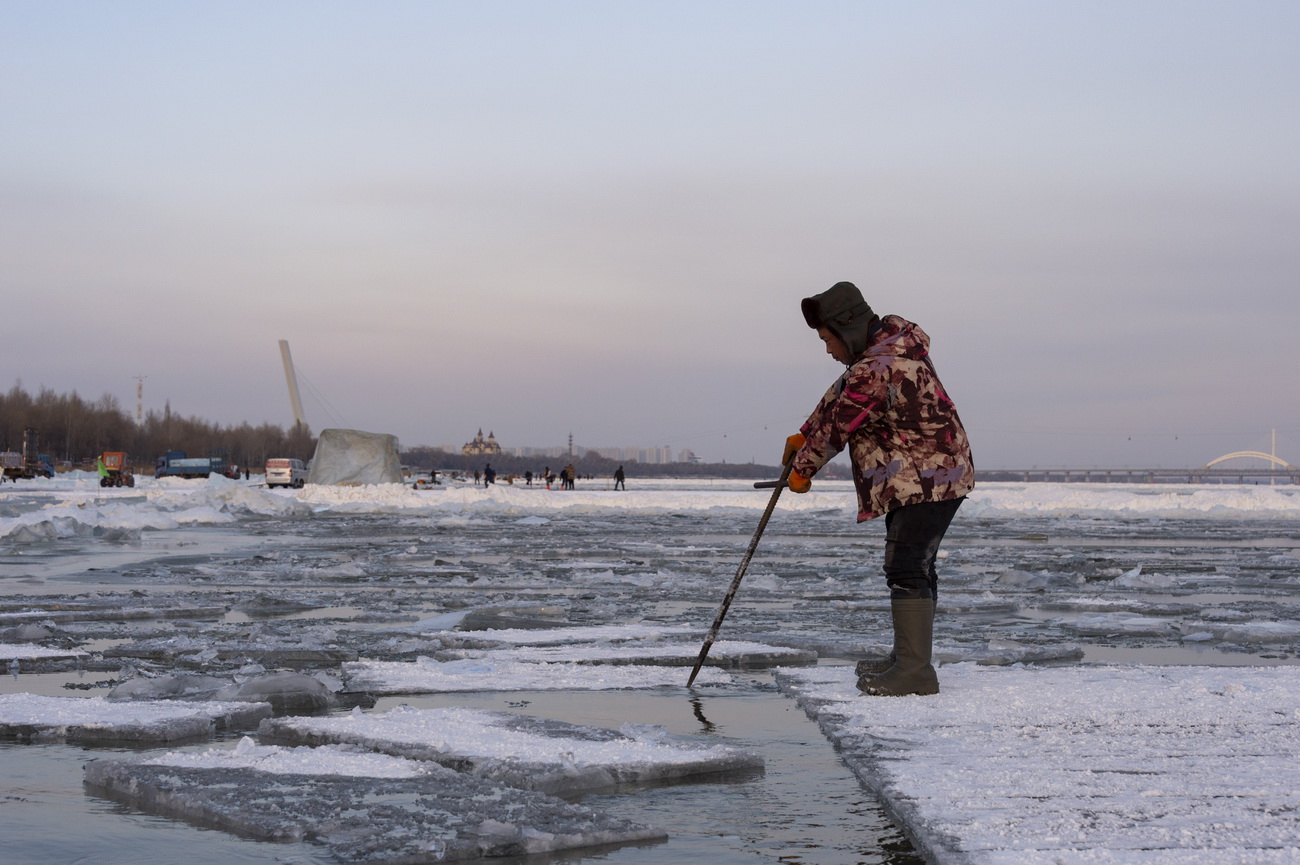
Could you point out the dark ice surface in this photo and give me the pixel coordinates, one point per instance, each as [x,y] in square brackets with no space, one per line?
[444,816]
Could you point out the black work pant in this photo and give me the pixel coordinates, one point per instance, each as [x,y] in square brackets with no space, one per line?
[912,537]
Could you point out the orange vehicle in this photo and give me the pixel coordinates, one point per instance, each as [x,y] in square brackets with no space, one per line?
[114,471]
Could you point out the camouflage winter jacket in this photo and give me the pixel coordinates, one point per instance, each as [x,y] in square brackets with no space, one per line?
[905,440]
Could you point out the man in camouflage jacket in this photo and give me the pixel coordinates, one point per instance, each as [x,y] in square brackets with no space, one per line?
[911,463]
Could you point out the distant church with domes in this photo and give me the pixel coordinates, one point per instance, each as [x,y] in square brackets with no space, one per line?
[482,446]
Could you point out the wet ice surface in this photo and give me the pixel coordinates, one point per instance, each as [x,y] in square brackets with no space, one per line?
[362,807]
[247,583]
[519,750]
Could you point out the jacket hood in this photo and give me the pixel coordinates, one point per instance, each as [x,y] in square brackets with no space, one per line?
[842,310]
[897,337]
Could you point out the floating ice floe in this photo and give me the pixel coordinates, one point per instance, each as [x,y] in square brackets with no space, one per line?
[34,718]
[1002,653]
[117,612]
[1115,765]
[519,750]
[276,650]
[1255,633]
[286,692]
[409,811]
[27,651]
[577,634]
[1125,605]
[1135,579]
[1118,623]
[724,653]
[427,676]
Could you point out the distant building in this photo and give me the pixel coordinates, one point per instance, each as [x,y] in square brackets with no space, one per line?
[482,446]
[643,455]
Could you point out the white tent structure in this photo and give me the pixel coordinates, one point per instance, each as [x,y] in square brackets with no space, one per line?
[348,457]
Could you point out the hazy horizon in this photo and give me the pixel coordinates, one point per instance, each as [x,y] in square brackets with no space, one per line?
[599,219]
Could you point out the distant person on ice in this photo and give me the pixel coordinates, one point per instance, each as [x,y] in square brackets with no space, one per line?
[618,479]
[911,464]
[489,475]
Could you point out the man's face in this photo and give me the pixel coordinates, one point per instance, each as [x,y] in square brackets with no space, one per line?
[835,346]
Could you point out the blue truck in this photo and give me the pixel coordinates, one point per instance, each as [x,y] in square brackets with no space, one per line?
[175,464]
[28,464]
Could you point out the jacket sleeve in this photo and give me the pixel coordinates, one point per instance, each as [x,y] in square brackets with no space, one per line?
[847,405]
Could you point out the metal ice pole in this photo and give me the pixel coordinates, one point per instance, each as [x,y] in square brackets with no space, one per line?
[740,572]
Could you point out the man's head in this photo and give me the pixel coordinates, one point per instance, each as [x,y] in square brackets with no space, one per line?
[835,346]
[840,315]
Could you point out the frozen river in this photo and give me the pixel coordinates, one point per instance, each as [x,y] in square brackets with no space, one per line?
[227,579]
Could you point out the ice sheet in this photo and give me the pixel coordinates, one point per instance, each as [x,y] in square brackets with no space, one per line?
[35,718]
[723,653]
[1020,766]
[519,750]
[27,651]
[421,814]
[426,676]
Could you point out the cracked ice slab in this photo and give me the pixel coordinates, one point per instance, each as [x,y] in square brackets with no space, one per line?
[427,676]
[519,750]
[86,720]
[29,652]
[734,654]
[1113,765]
[106,613]
[368,808]
[560,636]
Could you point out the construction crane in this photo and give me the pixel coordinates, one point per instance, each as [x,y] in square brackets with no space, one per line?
[291,377]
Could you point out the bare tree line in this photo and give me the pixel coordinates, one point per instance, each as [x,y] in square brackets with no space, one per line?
[77,430]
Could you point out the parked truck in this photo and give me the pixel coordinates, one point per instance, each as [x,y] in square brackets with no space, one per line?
[28,464]
[175,464]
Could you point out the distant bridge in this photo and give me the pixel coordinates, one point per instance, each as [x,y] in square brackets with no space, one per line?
[1274,470]
[1251,455]
[1290,475]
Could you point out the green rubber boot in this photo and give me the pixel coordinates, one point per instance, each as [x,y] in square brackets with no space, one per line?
[912,673]
[868,667]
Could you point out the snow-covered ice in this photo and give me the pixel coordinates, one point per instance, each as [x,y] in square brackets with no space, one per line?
[518,750]
[364,808]
[1087,764]
[35,718]
[30,652]
[723,653]
[427,676]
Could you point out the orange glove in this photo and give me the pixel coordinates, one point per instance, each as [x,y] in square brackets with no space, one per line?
[798,483]
[792,445]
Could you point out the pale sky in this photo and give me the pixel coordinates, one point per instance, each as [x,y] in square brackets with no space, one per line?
[599,217]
